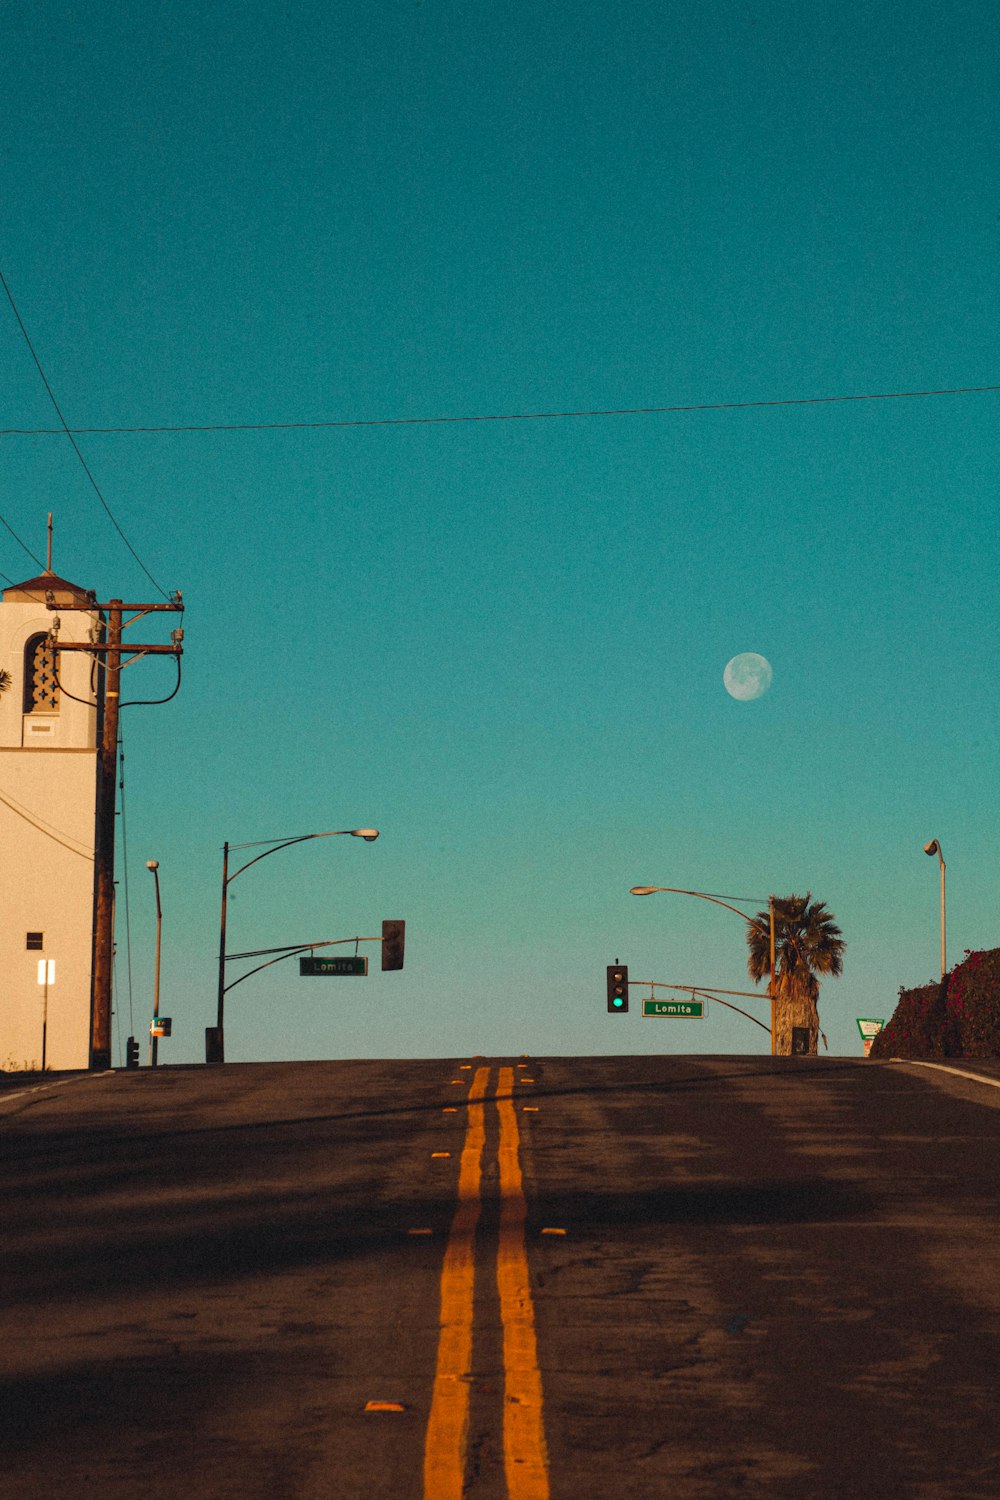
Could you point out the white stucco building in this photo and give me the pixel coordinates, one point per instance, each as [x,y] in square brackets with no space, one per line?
[49,727]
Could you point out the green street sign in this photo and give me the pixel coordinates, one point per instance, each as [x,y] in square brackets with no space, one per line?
[870,1026]
[355,965]
[691,1010]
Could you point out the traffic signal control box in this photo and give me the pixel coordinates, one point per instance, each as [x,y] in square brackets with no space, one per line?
[393,942]
[617,989]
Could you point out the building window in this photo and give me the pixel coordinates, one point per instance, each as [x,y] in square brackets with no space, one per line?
[35,940]
[41,692]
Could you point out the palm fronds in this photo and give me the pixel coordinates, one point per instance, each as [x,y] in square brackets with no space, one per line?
[807,941]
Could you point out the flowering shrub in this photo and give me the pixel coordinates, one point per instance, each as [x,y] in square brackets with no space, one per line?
[958,1016]
[915,1029]
[973,1004]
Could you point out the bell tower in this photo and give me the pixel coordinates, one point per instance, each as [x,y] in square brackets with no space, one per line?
[50,718]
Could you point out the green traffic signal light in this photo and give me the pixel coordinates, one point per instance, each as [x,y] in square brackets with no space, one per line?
[617,989]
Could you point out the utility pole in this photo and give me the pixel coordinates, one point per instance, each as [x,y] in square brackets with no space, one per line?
[772,980]
[108,653]
[104,847]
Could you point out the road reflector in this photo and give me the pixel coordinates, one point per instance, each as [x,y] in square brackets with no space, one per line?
[553,1231]
[420,1231]
[529,1109]
[384,1406]
[449,1109]
[463,1066]
[458,1080]
[525,1080]
[440,1153]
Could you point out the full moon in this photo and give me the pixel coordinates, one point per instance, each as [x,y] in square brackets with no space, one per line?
[747,676]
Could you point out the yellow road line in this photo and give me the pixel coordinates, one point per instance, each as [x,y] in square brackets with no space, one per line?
[447,1425]
[525,1462]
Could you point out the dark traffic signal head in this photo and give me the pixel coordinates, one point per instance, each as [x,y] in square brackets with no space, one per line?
[131,1053]
[393,942]
[617,989]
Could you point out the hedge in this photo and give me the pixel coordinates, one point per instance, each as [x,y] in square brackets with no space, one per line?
[958,1016]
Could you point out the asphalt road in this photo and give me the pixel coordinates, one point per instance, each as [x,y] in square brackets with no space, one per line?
[672,1277]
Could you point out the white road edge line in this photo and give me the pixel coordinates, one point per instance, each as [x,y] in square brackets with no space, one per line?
[57,1083]
[912,1062]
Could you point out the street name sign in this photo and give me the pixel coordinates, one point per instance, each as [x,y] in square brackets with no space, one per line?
[692,1010]
[341,965]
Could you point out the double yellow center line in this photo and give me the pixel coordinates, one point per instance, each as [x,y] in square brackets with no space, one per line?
[447,1427]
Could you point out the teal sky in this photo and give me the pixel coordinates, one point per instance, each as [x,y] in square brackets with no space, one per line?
[502,643]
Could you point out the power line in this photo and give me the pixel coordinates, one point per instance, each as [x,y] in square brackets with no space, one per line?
[517,416]
[20,543]
[65,428]
[57,835]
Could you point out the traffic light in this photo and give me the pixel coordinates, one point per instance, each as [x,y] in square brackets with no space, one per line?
[617,989]
[131,1053]
[393,942]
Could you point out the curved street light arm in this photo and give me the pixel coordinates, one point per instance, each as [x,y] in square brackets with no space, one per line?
[288,842]
[698,989]
[290,953]
[647,890]
[270,961]
[663,984]
[301,839]
[768,931]
[368,834]
[297,947]
[709,996]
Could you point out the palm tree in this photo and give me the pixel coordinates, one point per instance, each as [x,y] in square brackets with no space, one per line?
[807,942]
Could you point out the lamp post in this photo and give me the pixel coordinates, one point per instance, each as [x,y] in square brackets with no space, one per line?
[214,1036]
[648,890]
[933,848]
[46,976]
[154,865]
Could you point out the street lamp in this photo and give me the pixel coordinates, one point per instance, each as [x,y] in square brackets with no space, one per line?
[649,890]
[214,1036]
[154,865]
[935,848]
[46,976]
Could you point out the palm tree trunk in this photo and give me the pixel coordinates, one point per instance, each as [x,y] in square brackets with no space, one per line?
[795,1009]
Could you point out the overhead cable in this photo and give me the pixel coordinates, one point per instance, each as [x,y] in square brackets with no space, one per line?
[21,543]
[68,840]
[515,416]
[65,428]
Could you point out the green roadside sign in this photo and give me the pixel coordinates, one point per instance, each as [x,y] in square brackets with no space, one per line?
[690,1010]
[342,965]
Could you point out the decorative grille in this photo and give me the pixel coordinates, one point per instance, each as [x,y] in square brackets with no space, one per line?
[41,693]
